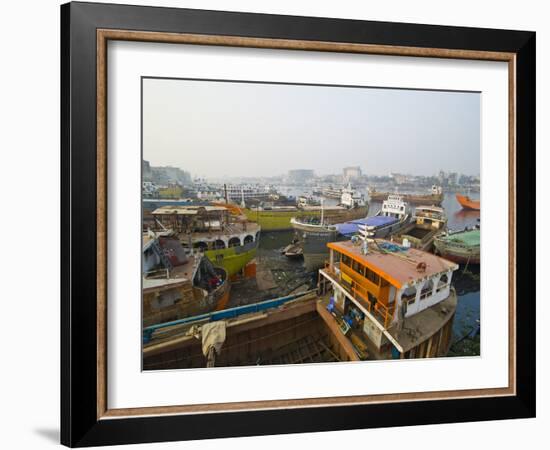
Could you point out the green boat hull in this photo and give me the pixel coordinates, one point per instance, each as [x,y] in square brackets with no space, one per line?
[233,259]
[462,247]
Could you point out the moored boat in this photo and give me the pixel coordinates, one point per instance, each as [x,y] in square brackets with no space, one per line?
[278,218]
[177,285]
[467,203]
[461,247]
[428,222]
[228,241]
[434,198]
[314,236]
[395,302]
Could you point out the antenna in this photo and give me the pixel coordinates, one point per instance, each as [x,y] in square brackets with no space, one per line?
[366,236]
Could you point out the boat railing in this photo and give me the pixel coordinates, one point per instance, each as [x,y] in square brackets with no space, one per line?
[382,313]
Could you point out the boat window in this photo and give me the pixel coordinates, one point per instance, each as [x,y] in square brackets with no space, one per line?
[346,260]
[234,242]
[409,295]
[372,276]
[219,244]
[427,289]
[443,281]
[202,246]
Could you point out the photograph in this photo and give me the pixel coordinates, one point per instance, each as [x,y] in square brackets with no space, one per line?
[292,223]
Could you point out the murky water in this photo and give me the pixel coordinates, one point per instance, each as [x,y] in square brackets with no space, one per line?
[289,274]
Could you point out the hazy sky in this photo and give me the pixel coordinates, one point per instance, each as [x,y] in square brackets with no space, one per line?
[216,129]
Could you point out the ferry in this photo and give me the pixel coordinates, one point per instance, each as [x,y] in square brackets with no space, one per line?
[176,284]
[228,241]
[435,197]
[331,192]
[394,215]
[428,222]
[244,193]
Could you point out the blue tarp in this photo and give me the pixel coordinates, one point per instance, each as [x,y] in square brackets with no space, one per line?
[351,228]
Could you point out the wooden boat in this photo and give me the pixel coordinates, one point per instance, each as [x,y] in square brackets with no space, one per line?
[380,290]
[176,285]
[394,215]
[461,247]
[294,329]
[428,222]
[277,218]
[228,240]
[434,198]
[467,203]
[293,250]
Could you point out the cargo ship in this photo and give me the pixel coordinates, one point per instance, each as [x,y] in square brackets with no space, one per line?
[394,215]
[278,218]
[227,240]
[435,197]
[467,203]
[428,222]
[176,284]
[395,302]
[461,246]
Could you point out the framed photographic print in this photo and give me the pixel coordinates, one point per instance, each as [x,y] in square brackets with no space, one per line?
[277,224]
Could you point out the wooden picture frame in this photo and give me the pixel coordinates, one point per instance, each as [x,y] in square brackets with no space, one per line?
[86,418]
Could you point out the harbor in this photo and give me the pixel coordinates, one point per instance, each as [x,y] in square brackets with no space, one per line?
[301,224]
[262,285]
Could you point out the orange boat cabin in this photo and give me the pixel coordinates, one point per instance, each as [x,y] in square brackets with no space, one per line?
[398,301]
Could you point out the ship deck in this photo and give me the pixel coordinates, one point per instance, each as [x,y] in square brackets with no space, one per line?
[420,327]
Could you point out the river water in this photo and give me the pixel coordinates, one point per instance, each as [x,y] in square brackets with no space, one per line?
[290,274]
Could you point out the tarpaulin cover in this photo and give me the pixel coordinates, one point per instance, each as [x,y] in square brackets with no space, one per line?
[351,228]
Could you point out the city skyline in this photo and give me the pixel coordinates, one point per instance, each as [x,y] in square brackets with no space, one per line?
[229,129]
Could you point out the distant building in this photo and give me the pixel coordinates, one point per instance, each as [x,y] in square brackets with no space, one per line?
[169,175]
[400,178]
[299,175]
[352,172]
[146,170]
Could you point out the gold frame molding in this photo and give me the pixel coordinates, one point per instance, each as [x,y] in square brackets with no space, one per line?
[103,36]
